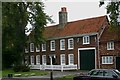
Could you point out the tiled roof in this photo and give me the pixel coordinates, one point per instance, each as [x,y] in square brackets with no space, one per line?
[85,26]
[110,34]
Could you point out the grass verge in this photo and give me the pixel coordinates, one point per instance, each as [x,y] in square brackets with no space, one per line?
[23,74]
[70,77]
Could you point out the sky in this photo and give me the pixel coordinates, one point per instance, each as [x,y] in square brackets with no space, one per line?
[77,10]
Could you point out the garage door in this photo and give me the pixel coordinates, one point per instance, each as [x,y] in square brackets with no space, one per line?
[87,59]
[118,63]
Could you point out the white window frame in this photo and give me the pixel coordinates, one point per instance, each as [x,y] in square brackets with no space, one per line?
[37,59]
[71,45]
[71,59]
[86,39]
[44,47]
[107,59]
[32,59]
[110,45]
[62,44]
[26,50]
[44,59]
[62,59]
[31,47]
[38,48]
[52,45]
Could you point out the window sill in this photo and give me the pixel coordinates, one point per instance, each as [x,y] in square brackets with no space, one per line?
[85,43]
[107,63]
[110,49]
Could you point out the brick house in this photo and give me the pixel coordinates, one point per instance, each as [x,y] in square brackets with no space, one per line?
[110,49]
[70,45]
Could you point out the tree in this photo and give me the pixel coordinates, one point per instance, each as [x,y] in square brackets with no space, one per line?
[15,16]
[113,9]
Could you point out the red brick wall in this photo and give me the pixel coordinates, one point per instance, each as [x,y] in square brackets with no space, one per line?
[104,51]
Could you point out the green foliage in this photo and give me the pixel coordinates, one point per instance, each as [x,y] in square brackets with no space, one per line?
[15,16]
[21,68]
[113,11]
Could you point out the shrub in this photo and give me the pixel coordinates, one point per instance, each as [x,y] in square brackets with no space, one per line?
[22,68]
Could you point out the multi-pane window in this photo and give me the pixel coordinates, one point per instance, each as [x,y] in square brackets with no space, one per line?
[43,47]
[86,40]
[31,47]
[110,45]
[32,59]
[44,59]
[38,48]
[52,44]
[71,59]
[37,59]
[70,43]
[107,59]
[62,44]
[62,58]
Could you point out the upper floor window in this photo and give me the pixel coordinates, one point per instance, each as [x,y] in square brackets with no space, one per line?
[70,43]
[71,59]
[31,47]
[38,48]
[43,47]
[62,44]
[107,60]
[86,40]
[26,50]
[110,46]
[52,44]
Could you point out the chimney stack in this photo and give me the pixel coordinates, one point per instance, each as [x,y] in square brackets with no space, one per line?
[63,17]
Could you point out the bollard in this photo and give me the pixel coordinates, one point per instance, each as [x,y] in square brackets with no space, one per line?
[51,75]
[10,75]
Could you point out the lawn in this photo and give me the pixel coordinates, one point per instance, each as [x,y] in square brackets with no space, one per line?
[24,74]
[0,74]
[69,77]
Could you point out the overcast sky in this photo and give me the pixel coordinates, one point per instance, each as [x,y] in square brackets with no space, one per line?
[77,10]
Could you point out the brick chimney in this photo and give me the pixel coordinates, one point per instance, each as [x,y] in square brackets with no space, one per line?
[63,17]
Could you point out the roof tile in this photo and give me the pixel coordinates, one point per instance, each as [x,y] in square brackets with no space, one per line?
[84,26]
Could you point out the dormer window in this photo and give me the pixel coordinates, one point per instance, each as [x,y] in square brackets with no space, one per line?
[110,45]
[86,40]
[52,44]
[31,47]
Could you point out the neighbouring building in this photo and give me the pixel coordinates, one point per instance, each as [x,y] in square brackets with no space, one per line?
[83,44]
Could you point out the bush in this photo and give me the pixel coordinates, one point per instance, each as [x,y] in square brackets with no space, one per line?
[22,68]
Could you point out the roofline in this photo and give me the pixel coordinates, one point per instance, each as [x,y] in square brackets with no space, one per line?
[76,35]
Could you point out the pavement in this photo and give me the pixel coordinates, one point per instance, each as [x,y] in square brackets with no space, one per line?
[59,74]
[56,74]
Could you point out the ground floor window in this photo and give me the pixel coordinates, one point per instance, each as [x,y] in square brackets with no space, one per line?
[32,59]
[107,59]
[71,59]
[62,59]
[37,59]
[44,59]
